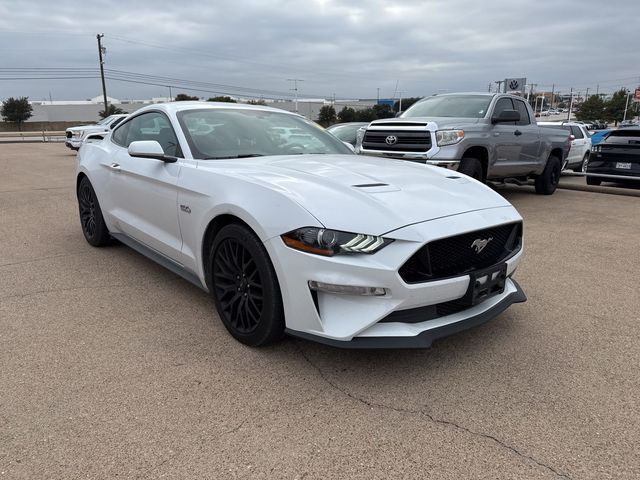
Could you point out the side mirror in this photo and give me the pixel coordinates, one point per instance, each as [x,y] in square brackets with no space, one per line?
[149,149]
[572,137]
[506,116]
[351,147]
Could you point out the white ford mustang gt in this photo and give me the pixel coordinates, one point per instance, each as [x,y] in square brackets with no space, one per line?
[292,233]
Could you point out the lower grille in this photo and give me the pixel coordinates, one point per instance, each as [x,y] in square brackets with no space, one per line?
[422,314]
[462,254]
[397,140]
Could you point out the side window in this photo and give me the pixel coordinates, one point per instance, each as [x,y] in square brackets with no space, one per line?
[501,105]
[152,126]
[576,132]
[524,113]
[120,134]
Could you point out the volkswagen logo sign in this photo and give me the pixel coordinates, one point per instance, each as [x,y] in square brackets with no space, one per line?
[391,140]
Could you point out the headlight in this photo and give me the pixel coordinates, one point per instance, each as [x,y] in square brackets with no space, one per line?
[448,137]
[322,241]
[77,134]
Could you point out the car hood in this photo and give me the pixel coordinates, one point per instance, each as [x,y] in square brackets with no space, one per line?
[88,128]
[370,195]
[440,122]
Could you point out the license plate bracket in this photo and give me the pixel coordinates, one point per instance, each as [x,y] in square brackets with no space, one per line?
[486,283]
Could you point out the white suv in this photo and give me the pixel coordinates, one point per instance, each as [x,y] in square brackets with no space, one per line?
[580,144]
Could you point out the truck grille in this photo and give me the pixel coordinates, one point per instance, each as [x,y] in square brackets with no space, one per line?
[407,141]
[457,255]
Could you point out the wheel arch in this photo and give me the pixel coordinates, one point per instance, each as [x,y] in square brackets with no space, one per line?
[558,153]
[482,154]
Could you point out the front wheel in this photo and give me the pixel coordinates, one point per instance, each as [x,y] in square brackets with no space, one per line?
[245,287]
[471,167]
[547,181]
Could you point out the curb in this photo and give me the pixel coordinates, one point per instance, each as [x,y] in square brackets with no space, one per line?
[627,192]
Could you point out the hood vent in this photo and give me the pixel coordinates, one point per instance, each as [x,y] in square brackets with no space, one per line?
[369,185]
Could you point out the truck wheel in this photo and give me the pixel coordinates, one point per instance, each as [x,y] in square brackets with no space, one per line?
[472,167]
[547,181]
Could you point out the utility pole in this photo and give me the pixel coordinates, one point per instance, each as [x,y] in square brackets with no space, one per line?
[400,104]
[489,87]
[586,95]
[101,51]
[626,105]
[378,96]
[553,89]
[531,85]
[295,89]
[570,104]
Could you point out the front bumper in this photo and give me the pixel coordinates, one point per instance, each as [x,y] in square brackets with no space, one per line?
[73,144]
[447,157]
[425,337]
[328,317]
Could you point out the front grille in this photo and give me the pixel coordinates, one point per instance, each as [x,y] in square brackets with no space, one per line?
[68,134]
[422,314]
[457,255]
[407,141]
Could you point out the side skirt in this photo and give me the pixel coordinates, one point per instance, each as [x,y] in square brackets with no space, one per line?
[159,258]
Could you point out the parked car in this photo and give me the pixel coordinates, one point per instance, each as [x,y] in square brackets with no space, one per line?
[484,135]
[76,135]
[580,143]
[628,124]
[301,236]
[346,131]
[615,158]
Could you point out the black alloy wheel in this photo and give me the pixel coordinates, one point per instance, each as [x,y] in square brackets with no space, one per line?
[93,227]
[547,182]
[245,287]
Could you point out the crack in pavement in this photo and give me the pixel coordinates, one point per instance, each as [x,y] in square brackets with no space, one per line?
[433,419]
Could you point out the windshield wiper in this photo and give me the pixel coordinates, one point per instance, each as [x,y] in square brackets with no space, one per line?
[246,155]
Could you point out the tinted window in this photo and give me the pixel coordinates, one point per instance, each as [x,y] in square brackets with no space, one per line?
[576,132]
[216,133]
[456,106]
[120,134]
[524,112]
[151,126]
[502,105]
[116,122]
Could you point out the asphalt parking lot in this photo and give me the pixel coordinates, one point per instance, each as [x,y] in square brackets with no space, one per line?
[113,367]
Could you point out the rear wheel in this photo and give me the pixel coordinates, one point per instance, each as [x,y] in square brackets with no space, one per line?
[472,167]
[547,181]
[93,227]
[583,166]
[593,181]
[245,287]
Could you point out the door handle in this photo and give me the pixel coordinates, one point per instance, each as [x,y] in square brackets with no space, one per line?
[517,133]
[115,167]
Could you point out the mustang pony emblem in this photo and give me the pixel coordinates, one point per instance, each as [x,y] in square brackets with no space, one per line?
[480,243]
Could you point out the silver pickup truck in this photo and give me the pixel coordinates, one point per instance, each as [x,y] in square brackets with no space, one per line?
[487,136]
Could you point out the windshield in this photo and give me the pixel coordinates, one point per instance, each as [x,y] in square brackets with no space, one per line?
[234,133]
[462,106]
[105,121]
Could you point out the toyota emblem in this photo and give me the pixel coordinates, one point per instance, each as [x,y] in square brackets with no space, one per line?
[391,140]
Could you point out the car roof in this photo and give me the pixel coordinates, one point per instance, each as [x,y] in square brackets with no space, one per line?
[175,107]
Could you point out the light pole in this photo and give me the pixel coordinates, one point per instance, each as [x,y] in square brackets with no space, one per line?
[101,51]
[626,105]
[295,89]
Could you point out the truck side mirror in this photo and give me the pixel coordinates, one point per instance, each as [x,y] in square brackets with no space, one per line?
[506,116]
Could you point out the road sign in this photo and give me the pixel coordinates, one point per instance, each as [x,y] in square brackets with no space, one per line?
[514,84]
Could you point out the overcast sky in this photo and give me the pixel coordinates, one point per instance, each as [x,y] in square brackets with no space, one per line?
[347,48]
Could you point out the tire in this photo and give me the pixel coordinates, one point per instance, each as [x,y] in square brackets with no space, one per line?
[94,229]
[547,181]
[593,181]
[583,165]
[245,287]
[471,167]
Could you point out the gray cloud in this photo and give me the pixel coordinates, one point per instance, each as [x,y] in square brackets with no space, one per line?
[347,48]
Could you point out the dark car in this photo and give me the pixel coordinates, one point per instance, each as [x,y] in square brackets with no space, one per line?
[616,157]
[346,131]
